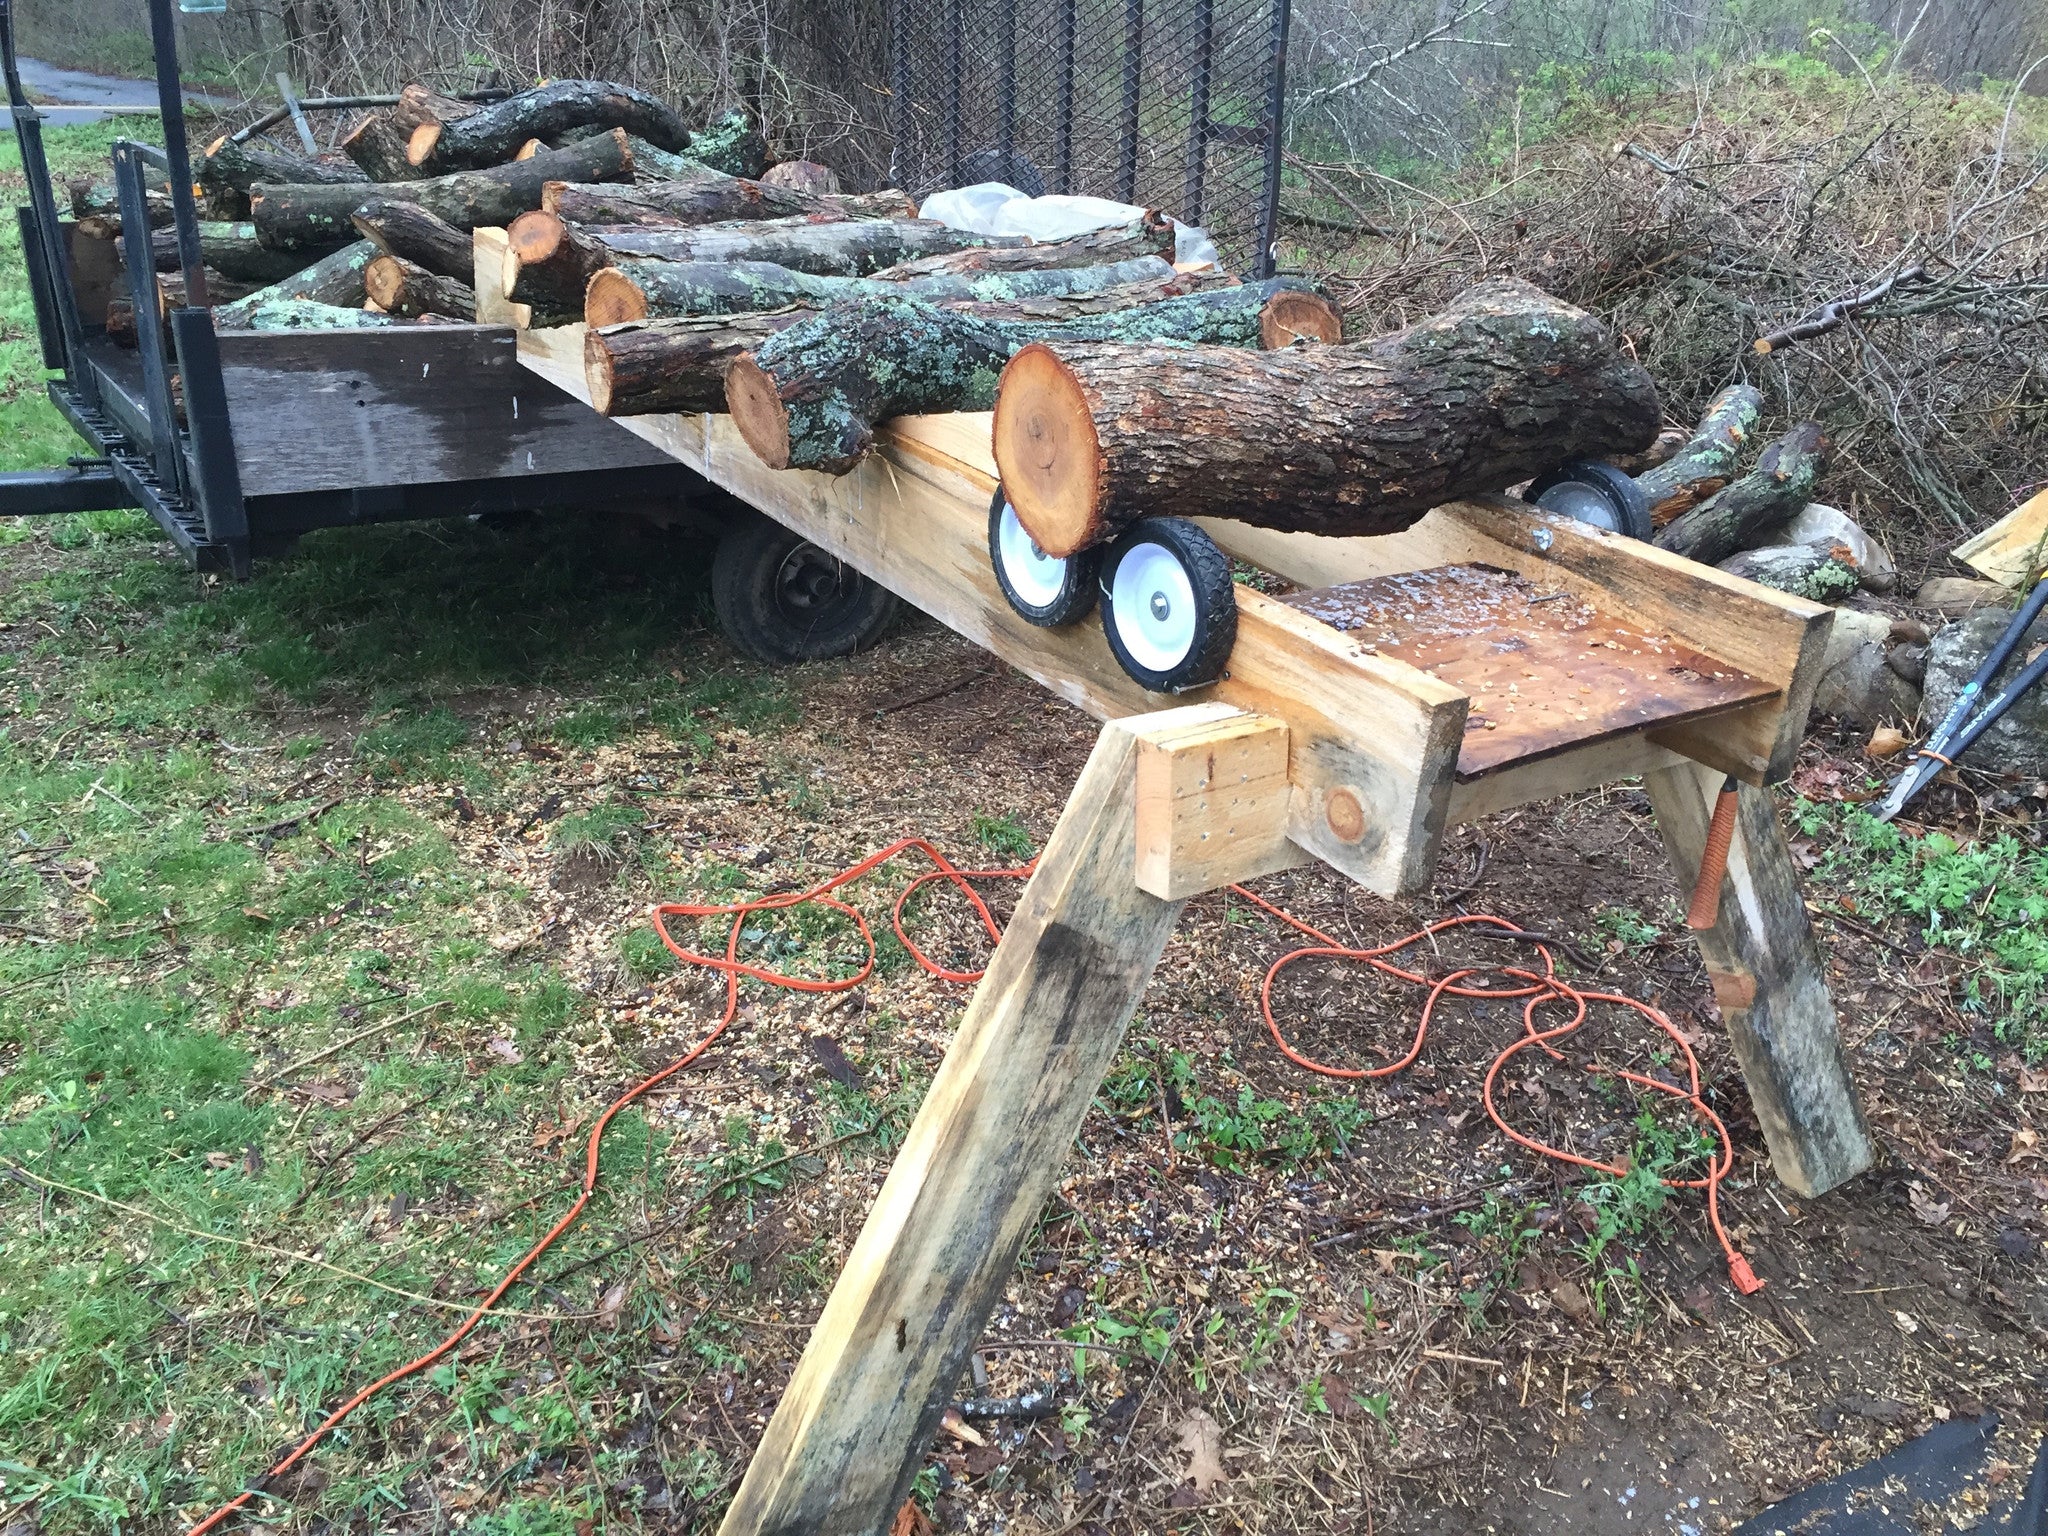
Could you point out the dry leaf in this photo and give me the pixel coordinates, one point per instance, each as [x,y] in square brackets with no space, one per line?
[910,1521]
[504,1050]
[220,1159]
[960,1429]
[1571,1301]
[2032,1081]
[612,1305]
[1202,1438]
[1886,741]
[1926,1206]
[328,1093]
[2026,1143]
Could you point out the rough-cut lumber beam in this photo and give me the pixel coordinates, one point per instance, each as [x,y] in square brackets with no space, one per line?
[401,287]
[408,230]
[335,279]
[709,197]
[800,245]
[492,134]
[1707,461]
[1769,983]
[1212,795]
[1147,235]
[1356,440]
[295,217]
[230,249]
[643,367]
[1782,482]
[639,290]
[811,396]
[377,145]
[968,1185]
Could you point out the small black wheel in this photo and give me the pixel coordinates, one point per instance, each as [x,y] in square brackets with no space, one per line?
[1169,606]
[1589,491]
[1044,589]
[782,599]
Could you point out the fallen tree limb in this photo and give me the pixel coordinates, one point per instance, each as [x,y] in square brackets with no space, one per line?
[1832,314]
[708,197]
[825,250]
[335,279]
[810,397]
[410,231]
[491,135]
[228,174]
[1708,459]
[639,290]
[377,145]
[295,217]
[1149,234]
[1349,440]
[1778,487]
[230,249]
[404,288]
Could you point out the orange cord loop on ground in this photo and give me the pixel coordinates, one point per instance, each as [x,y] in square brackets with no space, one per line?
[1538,989]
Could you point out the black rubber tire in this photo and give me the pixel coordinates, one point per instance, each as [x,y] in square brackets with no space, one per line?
[1208,572]
[1632,506]
[1077,591]
[781,599]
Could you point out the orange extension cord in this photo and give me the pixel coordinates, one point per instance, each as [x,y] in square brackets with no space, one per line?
[1536,988]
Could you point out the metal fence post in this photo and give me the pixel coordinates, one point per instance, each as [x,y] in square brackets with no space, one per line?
[1275,126]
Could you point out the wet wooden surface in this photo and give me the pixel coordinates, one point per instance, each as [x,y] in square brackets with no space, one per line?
[1546,672]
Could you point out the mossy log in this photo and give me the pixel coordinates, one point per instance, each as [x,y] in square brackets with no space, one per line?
[802,176]
[650,366]
[410,231]
[640,290]
[1782,482]
[857,249]
[732,144]
[296,217]
[1362,439]
[1147,235]
[229,172]
[232,250]
[404,288]
[273,311]
[336,279]
[377,145]
[491,135]
[810,397]
[1708,459]
[706,196]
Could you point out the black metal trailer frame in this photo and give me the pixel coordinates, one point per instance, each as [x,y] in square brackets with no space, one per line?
[236,443]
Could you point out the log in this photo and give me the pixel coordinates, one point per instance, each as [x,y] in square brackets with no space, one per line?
[800,245]
[1775,490]
[296,217]
[652,164]
[401,287]
[810,397]
[549,263]
[335,279]
[418,105]
[1707,461]
[377,144]
[229,172]
[408,230]
[272,311]
[1348,440]
[638,290]
[732,145]
[1148,235]
[654,366]
[802,176]
[707,197]
[493,134]
[230,249]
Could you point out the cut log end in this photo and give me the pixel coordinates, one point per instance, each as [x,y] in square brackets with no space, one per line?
[383,281]
[597,373]
[529,149]
[1045,439]
[535,235]
[1291,317]
[757,410]
[419,147]
[613,298]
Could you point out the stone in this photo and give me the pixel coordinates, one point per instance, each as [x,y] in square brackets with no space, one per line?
[1909,661]
[1910,632]
[1822,572]
[2019,742]
[1819,523]
[1953,596]
[1856,681]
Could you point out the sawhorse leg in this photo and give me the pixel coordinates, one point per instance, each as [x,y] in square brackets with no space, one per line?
[979,1163]
[1767,978]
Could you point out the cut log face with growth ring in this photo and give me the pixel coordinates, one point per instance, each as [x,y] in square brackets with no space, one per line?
[810,397]
[1348,440]
[404,288]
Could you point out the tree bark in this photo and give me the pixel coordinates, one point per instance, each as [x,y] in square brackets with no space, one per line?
[273,311]
[417,105]
[802,176]
[1346,440]
[229,172]
[404,288]
[336,279]
[651,366]
[639,290]
[708,197]
[1777,488]
[1147,235]
[377,144]
[732,145]
[295,217]
[410,231]
[1707,461]
[799,244]
[492,135]
[232,250]
[549,263]
[810,397]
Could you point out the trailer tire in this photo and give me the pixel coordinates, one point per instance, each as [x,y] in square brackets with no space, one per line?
[781,599]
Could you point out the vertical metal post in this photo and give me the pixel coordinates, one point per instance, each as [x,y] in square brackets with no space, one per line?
[1006,87]
[899,92]
[1134,73]
[1276,142]
[140,261]
[1198,113]
[171,101]
[956,60]
[1063,126]
[216,479]
[47,232]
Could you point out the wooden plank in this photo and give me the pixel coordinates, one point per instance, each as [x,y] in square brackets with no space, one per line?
[1566,773]
[2013,549]
[1547,671]
[980,1161]
[487,276]
[1212,799]
[1768,981]
[407,405]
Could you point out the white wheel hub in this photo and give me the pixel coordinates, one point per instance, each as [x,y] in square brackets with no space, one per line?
[1035,576]
[1153,603]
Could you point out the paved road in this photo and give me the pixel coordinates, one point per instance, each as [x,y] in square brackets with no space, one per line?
[72,96]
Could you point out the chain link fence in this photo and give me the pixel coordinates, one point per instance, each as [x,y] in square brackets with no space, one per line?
[1174,104]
